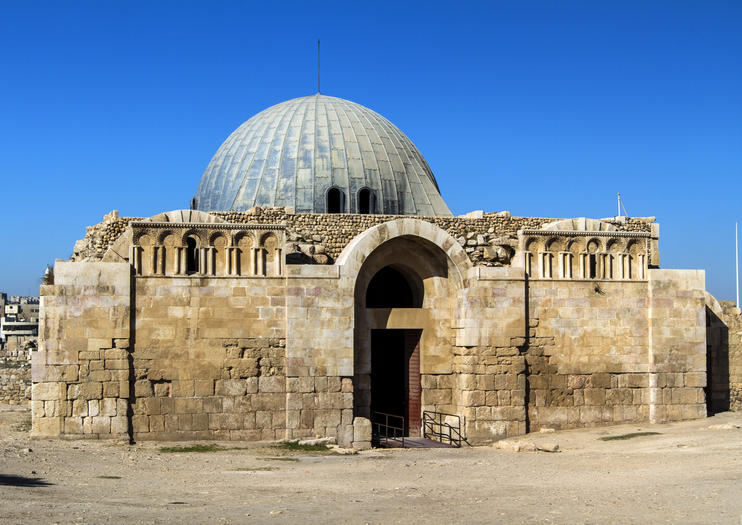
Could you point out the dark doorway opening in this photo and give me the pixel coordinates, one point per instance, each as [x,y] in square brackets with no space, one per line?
[395,376]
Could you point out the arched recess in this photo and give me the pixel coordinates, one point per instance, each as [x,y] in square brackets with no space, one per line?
[192,255]
[433,268]
[243,257]
[168,242]
[271,255]
[218,256]
[147,244]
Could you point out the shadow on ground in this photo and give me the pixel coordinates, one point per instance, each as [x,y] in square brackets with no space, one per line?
[22,481]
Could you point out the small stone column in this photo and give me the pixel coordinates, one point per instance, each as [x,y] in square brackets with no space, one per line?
[135,259]
[210,260]
[278,265]
[202,261]
[228,261]
[546,265]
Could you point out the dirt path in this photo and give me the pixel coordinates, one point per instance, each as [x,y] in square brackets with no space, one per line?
[689,473]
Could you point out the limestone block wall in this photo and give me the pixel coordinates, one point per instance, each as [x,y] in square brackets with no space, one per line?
[15,375]
[677,344]
[319,351]
[489,383]
[587,353]
[733,320]
[80,372]
[208,358]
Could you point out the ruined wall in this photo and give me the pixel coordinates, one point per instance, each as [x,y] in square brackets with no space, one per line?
[733,320]
[80,372]
[15,375]
[319,238]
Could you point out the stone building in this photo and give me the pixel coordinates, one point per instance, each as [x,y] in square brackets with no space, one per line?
[319,278]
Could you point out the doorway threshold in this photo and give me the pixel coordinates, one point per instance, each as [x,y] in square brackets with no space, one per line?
[412,442]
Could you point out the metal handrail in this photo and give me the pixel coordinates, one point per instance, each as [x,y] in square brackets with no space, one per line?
[435,427]
[386,431]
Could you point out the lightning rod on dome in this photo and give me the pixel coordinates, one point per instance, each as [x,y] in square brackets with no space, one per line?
[318,66]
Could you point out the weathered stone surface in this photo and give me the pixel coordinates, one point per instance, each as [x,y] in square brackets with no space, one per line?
[519,327]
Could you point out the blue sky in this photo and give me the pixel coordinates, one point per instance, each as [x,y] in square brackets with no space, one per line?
[540,108]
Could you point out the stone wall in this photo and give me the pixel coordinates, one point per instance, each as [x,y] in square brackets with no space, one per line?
[81,371]
[15,375]
[208,358]
[733,320]
[587,353]
[677,344]
[489,367]
[286,353]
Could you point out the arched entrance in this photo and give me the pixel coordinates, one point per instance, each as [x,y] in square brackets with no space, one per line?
[404,301]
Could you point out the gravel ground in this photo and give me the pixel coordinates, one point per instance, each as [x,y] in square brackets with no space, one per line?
[690,472]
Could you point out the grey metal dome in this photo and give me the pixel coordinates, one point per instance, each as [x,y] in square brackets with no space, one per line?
[301,152]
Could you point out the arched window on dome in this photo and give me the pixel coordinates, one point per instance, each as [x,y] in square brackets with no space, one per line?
[335,200]
[366,201]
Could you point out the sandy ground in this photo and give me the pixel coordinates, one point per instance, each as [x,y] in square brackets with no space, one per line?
[690,473]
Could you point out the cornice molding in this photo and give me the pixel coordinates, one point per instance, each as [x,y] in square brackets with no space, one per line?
[207,226]
[585,233]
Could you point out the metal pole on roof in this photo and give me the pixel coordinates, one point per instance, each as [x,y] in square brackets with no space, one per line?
[318,66]
[736,257]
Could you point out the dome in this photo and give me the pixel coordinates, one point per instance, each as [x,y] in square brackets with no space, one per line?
[320,154]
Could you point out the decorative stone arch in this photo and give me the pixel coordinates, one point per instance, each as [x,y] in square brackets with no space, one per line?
[163,235]
[614,245]
[214,235]
[264,238]
[633,246]
[240,236]
[353,256]
[191,232]
[594,245]
[137,235]
[555,244]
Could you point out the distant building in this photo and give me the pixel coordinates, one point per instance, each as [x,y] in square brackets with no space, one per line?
[19,320]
